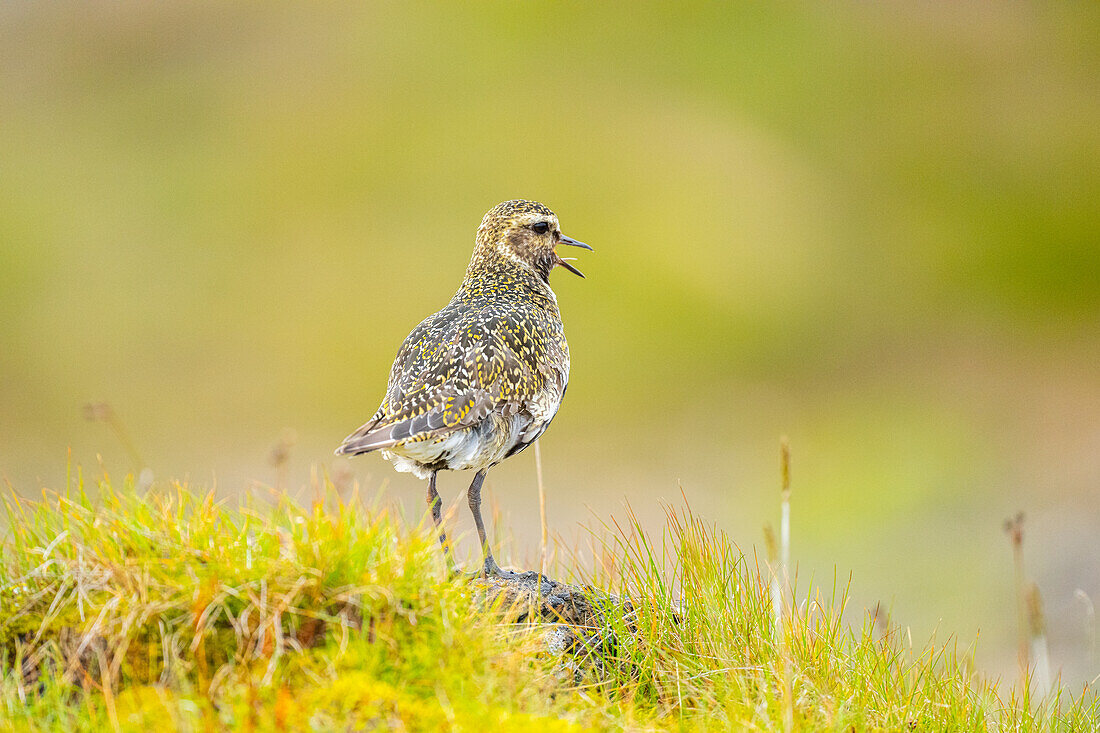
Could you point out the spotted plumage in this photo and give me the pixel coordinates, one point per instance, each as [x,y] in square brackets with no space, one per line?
[481,379]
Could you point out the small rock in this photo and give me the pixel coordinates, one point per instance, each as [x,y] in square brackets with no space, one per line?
[578,616]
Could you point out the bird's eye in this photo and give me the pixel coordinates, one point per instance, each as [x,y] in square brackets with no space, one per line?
[540,227]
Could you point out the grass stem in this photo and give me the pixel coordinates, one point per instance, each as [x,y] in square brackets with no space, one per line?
[780,594]
[542,511]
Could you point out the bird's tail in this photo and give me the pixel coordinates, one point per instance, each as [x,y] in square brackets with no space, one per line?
[368,438]
[373,436]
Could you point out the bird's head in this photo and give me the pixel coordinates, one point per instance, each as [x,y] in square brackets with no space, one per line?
[525,233]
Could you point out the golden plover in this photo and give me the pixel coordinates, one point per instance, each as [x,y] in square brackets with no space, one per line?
[481,379]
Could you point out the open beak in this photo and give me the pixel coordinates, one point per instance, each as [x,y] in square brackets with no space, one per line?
[574,243]
[564,261]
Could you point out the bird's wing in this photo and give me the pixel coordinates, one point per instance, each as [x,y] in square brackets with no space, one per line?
[453,371]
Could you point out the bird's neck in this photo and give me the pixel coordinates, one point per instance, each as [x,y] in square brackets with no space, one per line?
[498,278]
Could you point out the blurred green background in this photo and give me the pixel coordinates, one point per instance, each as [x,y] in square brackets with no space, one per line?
[872,227]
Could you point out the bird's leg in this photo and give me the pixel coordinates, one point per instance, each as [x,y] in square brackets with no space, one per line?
[436,505]
[490,567]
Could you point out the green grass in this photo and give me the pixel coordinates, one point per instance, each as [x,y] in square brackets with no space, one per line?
[176,612]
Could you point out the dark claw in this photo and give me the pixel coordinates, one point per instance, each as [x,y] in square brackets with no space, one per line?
[492,570]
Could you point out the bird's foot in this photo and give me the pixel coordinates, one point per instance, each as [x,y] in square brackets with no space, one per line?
[491,570]
[488,570]
[454,572]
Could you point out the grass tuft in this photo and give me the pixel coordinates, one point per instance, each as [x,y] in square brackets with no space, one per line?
[173,611]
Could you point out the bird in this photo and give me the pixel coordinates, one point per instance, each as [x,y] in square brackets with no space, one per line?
[481,379]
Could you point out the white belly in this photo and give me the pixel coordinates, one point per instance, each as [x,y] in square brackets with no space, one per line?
[471,448]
